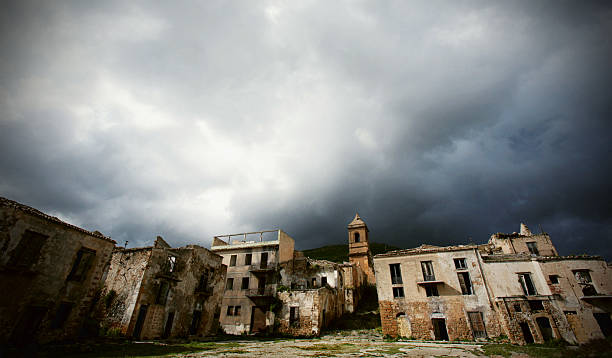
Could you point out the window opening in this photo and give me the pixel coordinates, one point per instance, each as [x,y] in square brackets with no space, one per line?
[81,264]
[398,292]
[533,248]
[460,264]
[428,272]
[465,283]
[396,274]
[527,284]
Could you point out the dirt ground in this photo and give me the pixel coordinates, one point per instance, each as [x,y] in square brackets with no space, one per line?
[338,345]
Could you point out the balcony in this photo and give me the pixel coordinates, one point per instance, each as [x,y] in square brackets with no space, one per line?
[262,268]
[262,292]
[204,290]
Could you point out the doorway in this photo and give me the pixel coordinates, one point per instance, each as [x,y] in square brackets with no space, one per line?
[258,319]
[168,328]
[604,322]
[195,322]
[526,332]
[142,315]
[545,328]
[439,326]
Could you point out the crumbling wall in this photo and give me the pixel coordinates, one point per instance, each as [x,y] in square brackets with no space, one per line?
[316,307]
[173,294]
[121,288]
[51,295]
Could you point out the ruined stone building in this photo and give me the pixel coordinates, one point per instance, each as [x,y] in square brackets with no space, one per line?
[50,274]
[272,287]
[161,292]
[515,285]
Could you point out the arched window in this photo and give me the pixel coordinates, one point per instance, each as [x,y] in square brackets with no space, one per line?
[356,237]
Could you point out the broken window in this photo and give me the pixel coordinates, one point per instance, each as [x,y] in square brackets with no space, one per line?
[171,264]
[233,260]
[396,274]
[203,283]
[465,283]
[533,248]
[398,292]
[233,310]
[82,262]
[428,272]
[554,279]
[527,284]
[245,283]
[162,293]
[460,264]
[294,316]
[61,315]
[431,290]
[247,259]
[477,324]
[583,276]
[517,307]
[356,236]
[230,284]
[536,306]
[323,281]
[28,250]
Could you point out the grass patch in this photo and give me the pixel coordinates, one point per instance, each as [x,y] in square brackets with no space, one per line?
[600,348]
[124,348]
[331,348]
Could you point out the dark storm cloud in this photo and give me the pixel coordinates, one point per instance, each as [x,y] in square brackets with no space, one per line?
[439,122]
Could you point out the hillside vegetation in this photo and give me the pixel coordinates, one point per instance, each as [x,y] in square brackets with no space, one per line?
[339,253]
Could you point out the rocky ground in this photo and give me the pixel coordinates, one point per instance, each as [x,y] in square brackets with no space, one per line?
[342,343]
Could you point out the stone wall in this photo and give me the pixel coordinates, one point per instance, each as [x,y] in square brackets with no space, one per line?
[53,271]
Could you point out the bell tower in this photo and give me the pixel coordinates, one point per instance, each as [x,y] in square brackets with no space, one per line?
[359,248]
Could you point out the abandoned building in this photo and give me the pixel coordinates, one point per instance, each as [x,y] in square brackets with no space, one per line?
[53,271]
[162,292]
[515,285]
[272,287]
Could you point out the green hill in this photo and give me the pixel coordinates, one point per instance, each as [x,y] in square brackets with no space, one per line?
[339,253]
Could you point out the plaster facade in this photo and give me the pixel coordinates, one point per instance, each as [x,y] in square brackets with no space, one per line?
[515,285]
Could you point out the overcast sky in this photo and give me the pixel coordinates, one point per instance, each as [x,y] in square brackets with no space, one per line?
[439,122]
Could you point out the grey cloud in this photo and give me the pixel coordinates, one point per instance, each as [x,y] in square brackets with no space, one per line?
[438,122]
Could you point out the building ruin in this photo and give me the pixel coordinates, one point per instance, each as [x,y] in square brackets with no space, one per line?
[270,287]
[162,292]
[53,271]
[516,285]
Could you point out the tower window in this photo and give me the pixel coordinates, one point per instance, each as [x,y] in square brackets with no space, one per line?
[356,237]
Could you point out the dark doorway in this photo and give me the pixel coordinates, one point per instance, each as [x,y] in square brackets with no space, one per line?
[526,332]
[195,322]
[261,285]
[26,329]
[545,328]
[168,328]
[258,319]
[142,315]
[264,260]
[604,322]
[439,326]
